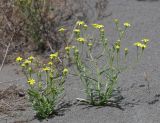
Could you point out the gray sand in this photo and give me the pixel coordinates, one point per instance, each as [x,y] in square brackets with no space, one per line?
[141,104]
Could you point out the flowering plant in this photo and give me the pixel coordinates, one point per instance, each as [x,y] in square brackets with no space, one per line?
[45,83]
[99,70]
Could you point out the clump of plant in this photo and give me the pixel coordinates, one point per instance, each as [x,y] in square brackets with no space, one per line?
[100,62]
[45,83]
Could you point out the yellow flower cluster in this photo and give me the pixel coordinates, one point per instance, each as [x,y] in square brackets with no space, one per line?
[117,47]
[26,62]
[76,31]
[23,65]
[81,40]
[102,30]
[46,69]
[62,29]
[65,71]
[126,24]
[80,23]
[98,26]
[19,59]
[139,44]
[145,40]
[50,63]
[54,55]
[85,26]
[90,44]
[68,48]
[31,58]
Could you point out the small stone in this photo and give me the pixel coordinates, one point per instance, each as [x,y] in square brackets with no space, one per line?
[21,94]
[141,85]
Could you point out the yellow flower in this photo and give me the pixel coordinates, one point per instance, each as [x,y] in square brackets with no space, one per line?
[90,44]
[85,26]
[26,62]
[145,40]
[81,40]
[79,23]
[31,58]
[116,21]
[23,65]
[126,24]
[138,44]
[143,46]
[126,51]
[117,47]
[76,31]
[102,30]
[31,81]
[54,55]
[62,29]
[68,48]
[50,63]
[19,59]
[98,26]
[65,71]
[73,47]
[30,69]
[76,51]
[46,68]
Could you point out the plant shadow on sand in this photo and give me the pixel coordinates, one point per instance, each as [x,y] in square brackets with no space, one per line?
[62,108]
[111,104]
[114,102]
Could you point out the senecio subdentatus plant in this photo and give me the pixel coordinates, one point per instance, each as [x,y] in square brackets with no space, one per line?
[99,68]
[45,83]
[96,61]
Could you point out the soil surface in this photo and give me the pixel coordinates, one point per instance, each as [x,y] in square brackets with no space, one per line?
[139,86]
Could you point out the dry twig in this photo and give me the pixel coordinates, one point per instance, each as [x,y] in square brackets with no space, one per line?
[5,56]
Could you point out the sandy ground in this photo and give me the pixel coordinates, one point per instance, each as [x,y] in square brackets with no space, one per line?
[141,103]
